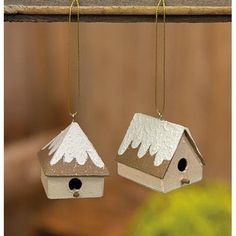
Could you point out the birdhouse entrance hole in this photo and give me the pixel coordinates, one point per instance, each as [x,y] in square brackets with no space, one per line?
[182,164]
[75,184]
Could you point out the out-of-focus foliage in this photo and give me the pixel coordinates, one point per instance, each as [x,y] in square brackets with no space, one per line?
[191,211]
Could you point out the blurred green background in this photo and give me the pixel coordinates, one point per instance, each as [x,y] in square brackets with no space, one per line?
[197,210]
[117,80]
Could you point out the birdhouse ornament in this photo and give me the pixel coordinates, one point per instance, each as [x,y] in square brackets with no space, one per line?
[158,154]
[71,167]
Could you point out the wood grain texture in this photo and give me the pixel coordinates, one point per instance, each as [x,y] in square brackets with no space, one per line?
[117,10]
[119,3]
[26,202]
[112,11]
[117,80]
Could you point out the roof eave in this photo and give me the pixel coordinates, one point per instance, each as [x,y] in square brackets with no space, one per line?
[192,142]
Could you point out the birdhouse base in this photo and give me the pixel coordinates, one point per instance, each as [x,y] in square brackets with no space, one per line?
[140,177]
[60,187]
[155,183]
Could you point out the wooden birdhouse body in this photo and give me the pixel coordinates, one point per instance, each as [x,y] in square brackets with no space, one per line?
[159,154]
[59,187]
[71,167]
[185,167]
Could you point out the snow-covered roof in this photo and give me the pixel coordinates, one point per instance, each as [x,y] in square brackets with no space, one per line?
[70,144]
[159,137]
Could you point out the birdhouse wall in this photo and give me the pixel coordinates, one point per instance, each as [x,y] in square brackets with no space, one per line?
[144,164]
[140,177]
[191,170]
[58,187]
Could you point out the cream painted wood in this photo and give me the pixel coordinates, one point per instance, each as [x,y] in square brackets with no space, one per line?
[44,181]
[58,187]
[140,177]
[193,171]
[173,177]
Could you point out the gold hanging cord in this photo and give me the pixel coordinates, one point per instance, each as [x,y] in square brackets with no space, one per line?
[160,110]
[73,97]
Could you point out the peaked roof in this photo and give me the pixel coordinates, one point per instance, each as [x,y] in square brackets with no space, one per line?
[71,153]
[158,137]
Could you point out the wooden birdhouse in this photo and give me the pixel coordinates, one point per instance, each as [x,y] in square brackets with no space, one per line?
[158,154]
[71,167]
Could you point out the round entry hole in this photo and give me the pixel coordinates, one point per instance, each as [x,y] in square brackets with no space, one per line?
[182,164]
[75,184]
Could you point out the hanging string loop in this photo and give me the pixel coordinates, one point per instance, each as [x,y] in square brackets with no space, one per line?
[73,97]
[160,109]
